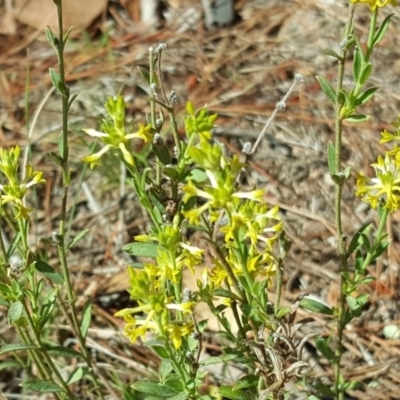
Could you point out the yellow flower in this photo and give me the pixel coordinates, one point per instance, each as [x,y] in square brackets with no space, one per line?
[373,4]
[178,331]
[385,186]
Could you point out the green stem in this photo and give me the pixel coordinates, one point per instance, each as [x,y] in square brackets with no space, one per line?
[279,283]
[45,355]
[152,89]
[63,218]
[371,34]
[377,241]
[338,214]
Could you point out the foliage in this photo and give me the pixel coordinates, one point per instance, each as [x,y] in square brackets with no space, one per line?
[196,187]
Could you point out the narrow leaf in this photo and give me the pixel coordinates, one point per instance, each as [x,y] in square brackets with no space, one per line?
[41,386]
[356,241]
[323,346]
[144,74]
[15,312]
[365,96]
[382,30]
[358,118]
[7,348]
[330,52]
[229,393]
[313,305]
[211,361]
[10,364]
[357,64]
[327,88]
[153,388]
[62,351]
[49,272]
[141,249]
[86,318]
[77,238]
[246,382]
[365,73]
[77,374]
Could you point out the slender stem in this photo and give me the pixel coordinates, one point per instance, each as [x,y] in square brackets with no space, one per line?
[371,34]
[338,214]
[152,88]
[377,241]
[65,186]
[279,283]
[45,355]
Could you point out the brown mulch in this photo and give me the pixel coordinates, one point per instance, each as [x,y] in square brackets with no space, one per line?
[241,73]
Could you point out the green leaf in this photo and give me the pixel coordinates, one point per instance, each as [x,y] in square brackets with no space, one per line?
[7,348]
[211,361]
[77,238]
[47,307]
[9,364]
[162,152]
[380,33]
[55,158]
[57,83]
[316,306]
[49,272]
[15,312]
[283,311]
[246,382]
[86,318]
[144,73]
[153,388]
[357,241]
[327,88]
[141,249]
[380,248]
[323,346]
[77,374]
[365,96]
[4,302]
[52,39]
[365,73]
[165,369]
[180,396]
[357,118]
[330,52]
[331,158]
[41,386]
[72,99]
[225,293]
[66,36]
[197,175]
[62,351]
[347,172]
[158,347]
[229,393]
[357,64]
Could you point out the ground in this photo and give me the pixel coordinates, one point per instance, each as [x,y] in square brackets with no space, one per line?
[239,72]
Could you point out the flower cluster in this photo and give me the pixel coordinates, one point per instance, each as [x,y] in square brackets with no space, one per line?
[249,226]
[155,309]
[374,4]
[384,188]
[114,135]
[15,190]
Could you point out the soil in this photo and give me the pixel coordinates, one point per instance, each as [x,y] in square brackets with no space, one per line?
[240,72]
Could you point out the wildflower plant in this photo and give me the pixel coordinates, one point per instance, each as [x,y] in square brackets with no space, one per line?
[381,191]
[242,251]
[202,218]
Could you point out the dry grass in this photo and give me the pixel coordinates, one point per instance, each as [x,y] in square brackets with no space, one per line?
[240,73]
